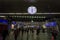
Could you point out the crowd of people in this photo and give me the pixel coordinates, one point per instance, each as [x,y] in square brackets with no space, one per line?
[54,32]
[4,32]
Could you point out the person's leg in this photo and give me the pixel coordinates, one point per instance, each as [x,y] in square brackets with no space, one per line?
[4,36]
[43,30]
[15,34]
[15,37]
[54,37]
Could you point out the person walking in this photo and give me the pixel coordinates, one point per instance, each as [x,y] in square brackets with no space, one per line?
[15,32]
[54,34]
[38,30]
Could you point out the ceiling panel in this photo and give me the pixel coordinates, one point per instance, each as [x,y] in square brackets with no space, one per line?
[20,6]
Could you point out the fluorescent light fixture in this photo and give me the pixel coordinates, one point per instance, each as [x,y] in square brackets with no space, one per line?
[2,16]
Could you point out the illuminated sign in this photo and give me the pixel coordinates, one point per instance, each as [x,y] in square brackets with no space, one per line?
[2,21]
[32,10]
[51,24]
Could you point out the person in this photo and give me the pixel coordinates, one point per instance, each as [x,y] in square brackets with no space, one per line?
[1,37]
[54,33]
[27,33]
[32,30]
[38,30]
[15,32]
[5,32]
[22,30]
[43,28]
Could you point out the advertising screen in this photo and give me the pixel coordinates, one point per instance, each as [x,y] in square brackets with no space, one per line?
[51,24]
[2,21]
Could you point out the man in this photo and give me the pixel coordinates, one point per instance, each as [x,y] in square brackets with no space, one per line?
[15,32]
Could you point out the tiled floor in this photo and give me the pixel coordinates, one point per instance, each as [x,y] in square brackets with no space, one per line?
[29,36]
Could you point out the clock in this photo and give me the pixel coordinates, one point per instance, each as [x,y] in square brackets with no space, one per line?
[32,10]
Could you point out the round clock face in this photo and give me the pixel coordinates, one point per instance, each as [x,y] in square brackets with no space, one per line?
[32,10]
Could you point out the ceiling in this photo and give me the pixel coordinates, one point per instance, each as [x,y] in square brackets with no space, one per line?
[20,6]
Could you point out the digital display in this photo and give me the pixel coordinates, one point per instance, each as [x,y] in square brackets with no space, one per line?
[2,21]
[51,24]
